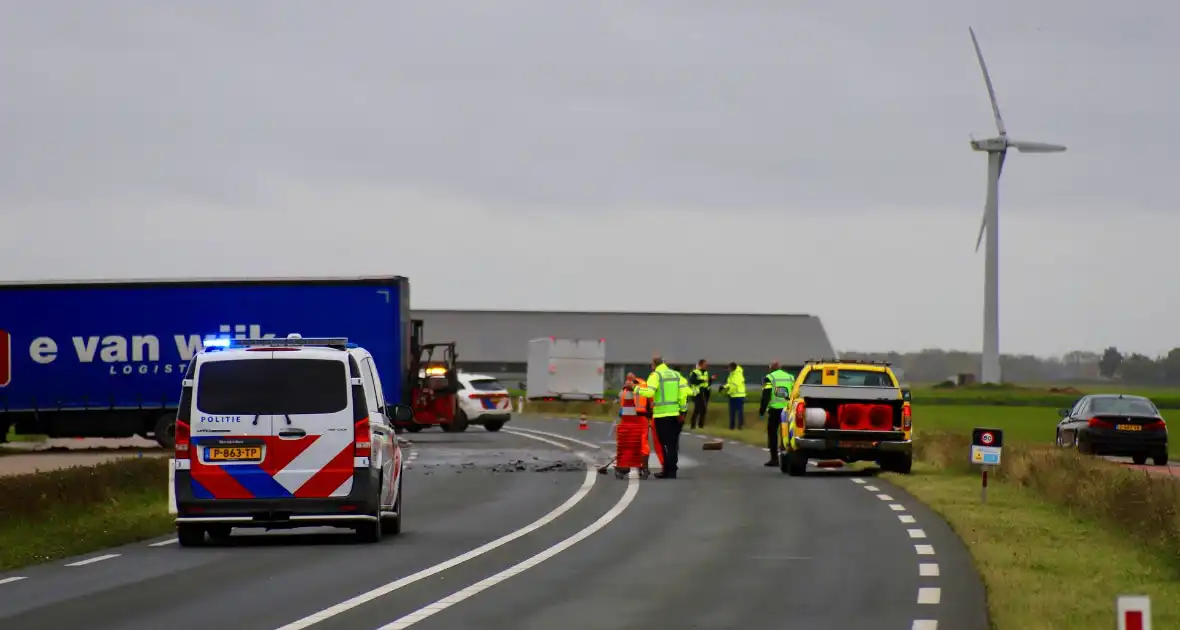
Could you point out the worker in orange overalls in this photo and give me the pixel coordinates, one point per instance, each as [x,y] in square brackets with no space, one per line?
[631,444]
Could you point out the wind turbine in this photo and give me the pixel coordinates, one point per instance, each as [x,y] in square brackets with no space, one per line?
[996,149]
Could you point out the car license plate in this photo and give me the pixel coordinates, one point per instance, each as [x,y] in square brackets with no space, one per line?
[857,444]
[234,453]
[1130,427]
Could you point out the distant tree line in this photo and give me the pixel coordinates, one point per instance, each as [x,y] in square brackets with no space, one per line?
[930,366]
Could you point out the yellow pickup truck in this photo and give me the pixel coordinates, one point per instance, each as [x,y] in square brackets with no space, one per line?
[850,411]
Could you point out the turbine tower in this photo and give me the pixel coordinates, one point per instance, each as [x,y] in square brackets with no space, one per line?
[996,149]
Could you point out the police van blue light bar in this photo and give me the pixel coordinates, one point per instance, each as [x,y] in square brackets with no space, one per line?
[331,342]
[216,342]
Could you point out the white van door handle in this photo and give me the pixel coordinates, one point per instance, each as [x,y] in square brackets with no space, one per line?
[292,433]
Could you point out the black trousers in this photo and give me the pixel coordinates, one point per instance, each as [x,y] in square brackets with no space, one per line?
[773,421]
[700,404]
[668,430]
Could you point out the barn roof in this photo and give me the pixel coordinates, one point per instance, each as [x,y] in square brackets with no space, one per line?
[502,336]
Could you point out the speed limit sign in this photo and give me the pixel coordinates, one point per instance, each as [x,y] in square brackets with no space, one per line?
[987,438]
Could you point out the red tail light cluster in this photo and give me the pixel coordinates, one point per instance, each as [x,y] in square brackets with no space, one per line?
[363,437]
[1155,425]
[183,437]
[906,418]
[1099,423]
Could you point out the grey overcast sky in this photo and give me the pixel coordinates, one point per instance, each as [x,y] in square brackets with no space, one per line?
[802,156]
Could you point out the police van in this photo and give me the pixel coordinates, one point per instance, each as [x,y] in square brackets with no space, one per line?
[286,433]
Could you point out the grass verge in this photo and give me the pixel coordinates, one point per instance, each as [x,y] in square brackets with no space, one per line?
[1045,566]
[56,514]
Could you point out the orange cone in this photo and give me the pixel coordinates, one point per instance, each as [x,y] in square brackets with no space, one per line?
[582,424]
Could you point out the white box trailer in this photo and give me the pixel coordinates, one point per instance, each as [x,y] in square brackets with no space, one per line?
[566,369]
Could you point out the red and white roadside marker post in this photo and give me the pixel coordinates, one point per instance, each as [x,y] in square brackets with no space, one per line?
[1134,612]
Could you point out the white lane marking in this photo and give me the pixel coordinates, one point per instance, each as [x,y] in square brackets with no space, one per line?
[924,624]
[906,518]
[363,598]
[163,543]
[916,533]
[924,550]
[10,580]
[521,567]
[858,480]
[872,488]
[897,507]
[928,569]
[82,563]
[929,595]
[884,497]
[519,431]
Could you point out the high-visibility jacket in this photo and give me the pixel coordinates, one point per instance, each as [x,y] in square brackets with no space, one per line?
[685,389]
[699,379]
[663,388]
[780,384]
[735,385]
[642,405]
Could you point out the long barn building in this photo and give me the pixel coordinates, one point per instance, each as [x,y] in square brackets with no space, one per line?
[495,342]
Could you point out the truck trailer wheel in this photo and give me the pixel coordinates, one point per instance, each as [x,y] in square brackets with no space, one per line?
[165,431]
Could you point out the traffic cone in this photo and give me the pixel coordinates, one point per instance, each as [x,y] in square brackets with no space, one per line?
[582,424]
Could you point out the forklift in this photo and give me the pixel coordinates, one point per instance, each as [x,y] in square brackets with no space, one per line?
[433,385]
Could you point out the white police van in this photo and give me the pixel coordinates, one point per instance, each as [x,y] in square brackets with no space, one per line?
[285,433]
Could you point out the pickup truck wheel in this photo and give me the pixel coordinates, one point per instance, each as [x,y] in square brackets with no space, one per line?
[190,535]
[796,464]
[165,430]
[784,462]
[900,464]
[493,425]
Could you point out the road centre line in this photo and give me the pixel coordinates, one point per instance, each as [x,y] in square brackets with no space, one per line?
[521,567]
[10,580]
[164,543]
[381,591]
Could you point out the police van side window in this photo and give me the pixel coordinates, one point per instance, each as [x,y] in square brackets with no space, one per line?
[380,395]
[370,387]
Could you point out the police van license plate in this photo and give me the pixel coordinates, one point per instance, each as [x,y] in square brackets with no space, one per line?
[234,453]
[857,444]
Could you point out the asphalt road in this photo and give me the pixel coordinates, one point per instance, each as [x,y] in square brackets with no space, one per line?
[730,544]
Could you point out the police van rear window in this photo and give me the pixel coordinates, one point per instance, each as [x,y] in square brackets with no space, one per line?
[486,385]
[272,386]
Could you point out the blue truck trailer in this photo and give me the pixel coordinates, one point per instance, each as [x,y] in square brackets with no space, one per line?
[106,358]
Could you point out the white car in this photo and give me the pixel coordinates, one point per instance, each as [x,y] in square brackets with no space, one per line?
[483,400]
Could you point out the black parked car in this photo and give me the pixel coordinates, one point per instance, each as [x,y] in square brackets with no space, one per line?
[1115,424]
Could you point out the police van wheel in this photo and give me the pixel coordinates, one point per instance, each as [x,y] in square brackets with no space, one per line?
[493,425]
[369,531]
[392,525]
[219,534]
[190,535]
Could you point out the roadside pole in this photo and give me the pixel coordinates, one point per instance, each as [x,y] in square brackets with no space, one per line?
[986,447]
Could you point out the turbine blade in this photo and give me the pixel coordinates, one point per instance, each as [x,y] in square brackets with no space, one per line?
[982,227]
[991,92]
[1036,147]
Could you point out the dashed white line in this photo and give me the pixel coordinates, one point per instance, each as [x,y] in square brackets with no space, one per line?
[897,507]
[10,580]
[872,488]
[163,543]
[861,481]
[929,595]
[916,533]
[924,624]
[884,497]
[82,563]
[924,550]
[905,518]
[482,585]
[928,569]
